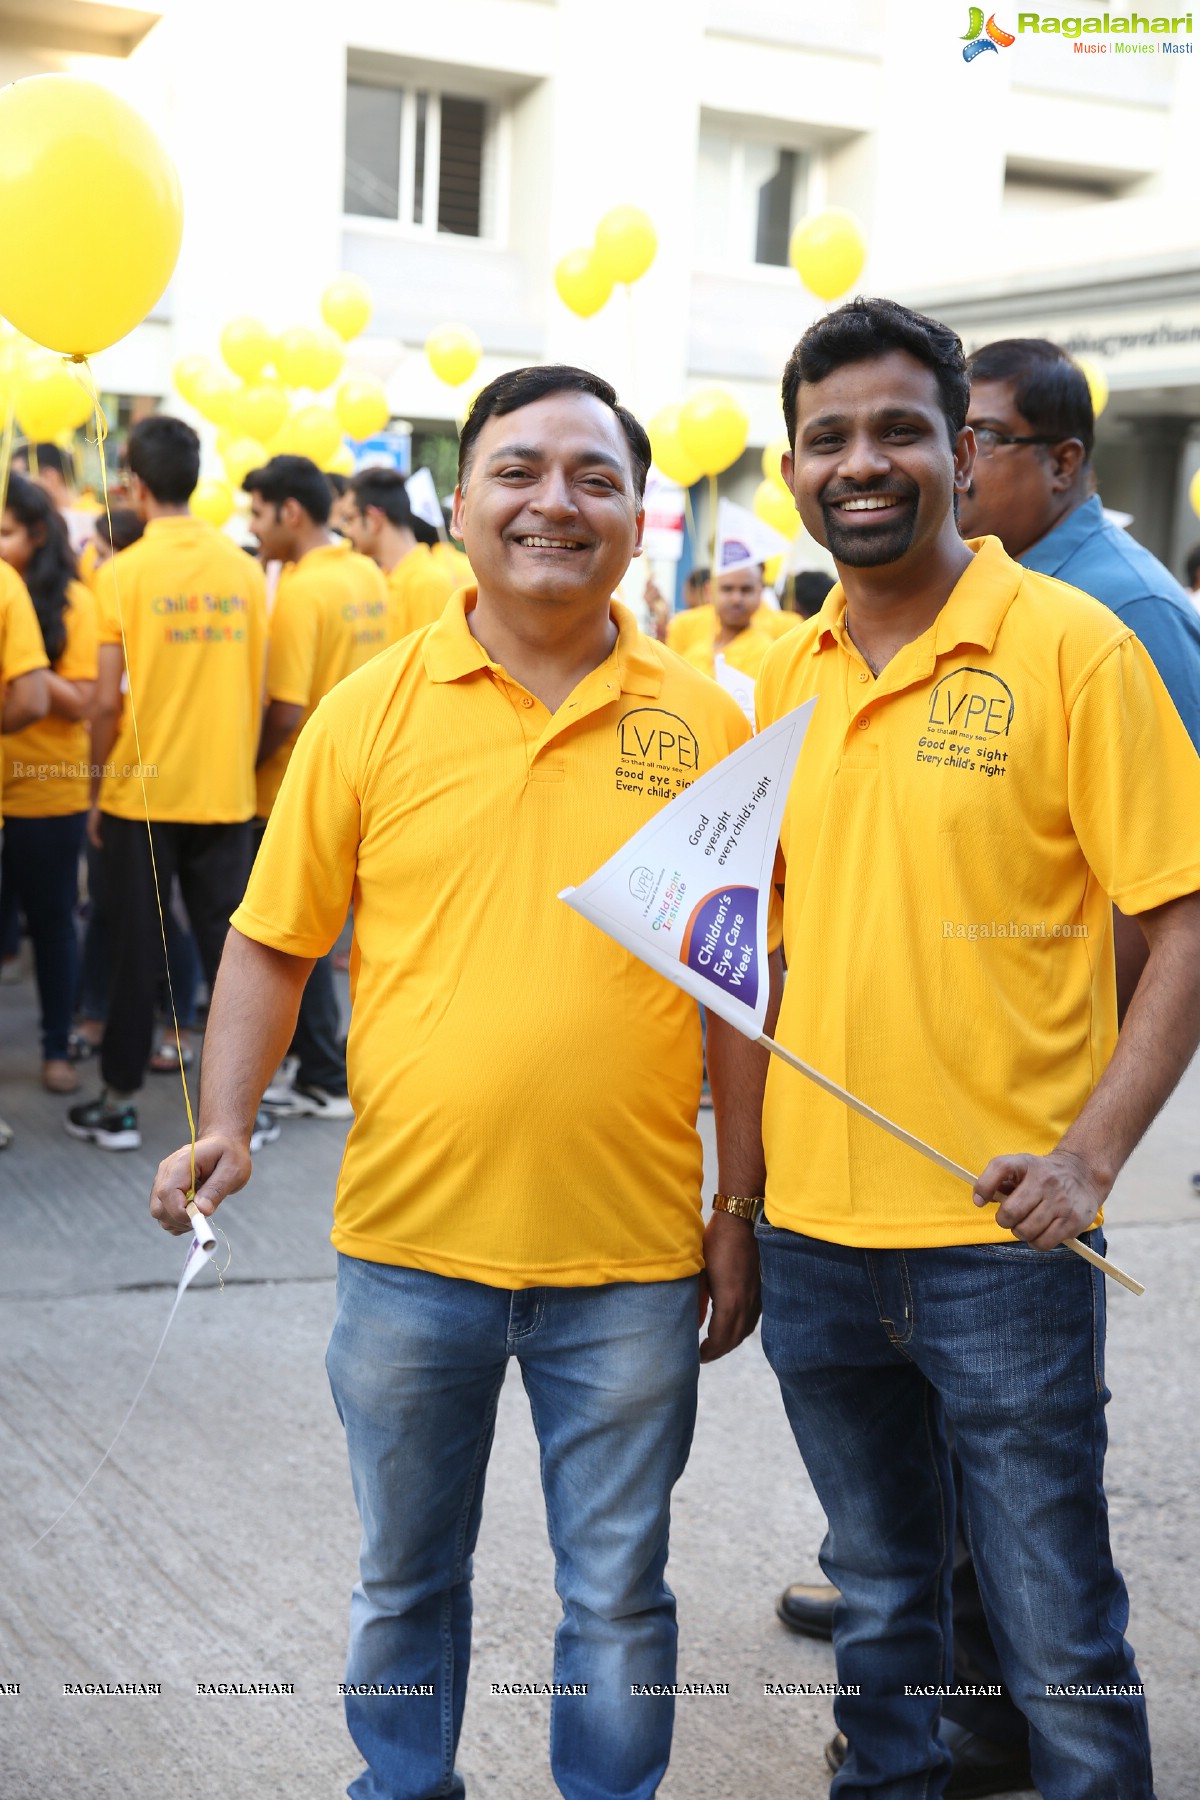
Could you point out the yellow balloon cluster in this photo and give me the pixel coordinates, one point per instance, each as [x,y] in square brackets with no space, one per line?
[667,447]
[212,501]
[309,356]
[91,214]
[247,348]
[776,508]
[49,401]
[346,306]
[1097,382]
[362,408]
[828,251]
[454,352]
[1194,492]
[713,429]
[624,247]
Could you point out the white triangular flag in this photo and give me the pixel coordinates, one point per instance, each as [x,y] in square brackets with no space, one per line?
[737,684]
[743,539]
[689,892]
[423,498]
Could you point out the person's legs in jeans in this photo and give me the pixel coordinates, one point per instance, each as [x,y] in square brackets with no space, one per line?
[416,1363]
[611,1375]
[976,1665]
[136,942]
[837,1324]
[41,866]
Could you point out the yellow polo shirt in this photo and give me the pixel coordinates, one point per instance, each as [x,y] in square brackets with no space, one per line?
[684,629]
[195,631]
[47,766]
[417,589]
[524,1089]
[955,833]
[329,618]
[454,561]
[21,646]
[745,652]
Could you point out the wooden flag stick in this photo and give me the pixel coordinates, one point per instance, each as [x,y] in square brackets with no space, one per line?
[924,1149]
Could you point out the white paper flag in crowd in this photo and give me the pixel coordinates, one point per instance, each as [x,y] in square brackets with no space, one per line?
[689,892]
[737,684]
[423,498]
[743,539]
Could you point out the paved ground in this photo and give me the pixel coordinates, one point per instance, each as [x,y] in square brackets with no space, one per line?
[219,1542]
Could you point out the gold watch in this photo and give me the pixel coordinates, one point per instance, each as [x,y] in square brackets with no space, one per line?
[742,1206]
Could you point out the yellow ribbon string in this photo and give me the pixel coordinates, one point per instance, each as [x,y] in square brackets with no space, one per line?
[76,364]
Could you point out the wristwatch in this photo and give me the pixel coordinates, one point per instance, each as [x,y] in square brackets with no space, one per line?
[742,1206]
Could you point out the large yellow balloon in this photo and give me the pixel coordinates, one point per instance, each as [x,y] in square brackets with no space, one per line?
[346,306]
[188,372]
[216,394]
[581,283]
[669,454]
[48,401]
[828,251]
[242,455]
[313,432]
[454,352]
[776,509]
[626,243]
[772,460]
[212,501]
[309,356]
[713,429]
[1097,382]
[362,408]
[91,216]
[1194,492]
[260,411]
[341,462]
[246,345]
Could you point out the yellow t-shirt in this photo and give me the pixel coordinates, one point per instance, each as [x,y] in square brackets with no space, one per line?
[417,590]
[329,618]
[955,833]
[89,564]
[684,629]
[745,652]
[46,766]
[454,560]
[21,646]
[524,1089]
[195,630]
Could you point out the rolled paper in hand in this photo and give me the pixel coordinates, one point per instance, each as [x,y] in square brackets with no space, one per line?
[206,1237]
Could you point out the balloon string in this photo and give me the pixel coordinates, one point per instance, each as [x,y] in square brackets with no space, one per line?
[690,517]
[76,364]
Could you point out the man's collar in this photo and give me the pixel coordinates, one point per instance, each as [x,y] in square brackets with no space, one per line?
[1060,543]
[971,615]
[450,650]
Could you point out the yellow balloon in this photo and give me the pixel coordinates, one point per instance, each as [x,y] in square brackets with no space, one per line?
[212,501]
[1097,382]
[772,458]
[313,432]
[362,408]
[1194,492]
[260,411]
[581,283]
[828,251]
[188,372]
[346,306]
[48,401]
[309,356]
[341,462]
[669,454]
[454,352]
[91,215]
[776,509]
[246,345]
[216,392]
[713,429]
[241,456]
[626,243]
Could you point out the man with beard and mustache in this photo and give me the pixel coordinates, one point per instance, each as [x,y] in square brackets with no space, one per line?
[963,820]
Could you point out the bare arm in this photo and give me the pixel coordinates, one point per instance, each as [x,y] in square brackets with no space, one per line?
[26,700]
[1132,951]
[70,699]
[737,1073]
[250,1025]
[1050,1198]
[280,719]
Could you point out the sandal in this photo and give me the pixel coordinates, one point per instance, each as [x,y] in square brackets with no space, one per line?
[166,1058]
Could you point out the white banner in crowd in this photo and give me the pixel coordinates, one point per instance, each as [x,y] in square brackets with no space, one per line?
[689,892]
[423,498]
[739,685]
[743,539]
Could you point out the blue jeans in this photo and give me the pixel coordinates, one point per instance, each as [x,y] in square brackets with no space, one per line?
[39,871]
[416,1363]
[875,1351]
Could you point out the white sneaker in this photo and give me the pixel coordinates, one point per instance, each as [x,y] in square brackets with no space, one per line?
[266,1131]
[282,1081]
[307,1103]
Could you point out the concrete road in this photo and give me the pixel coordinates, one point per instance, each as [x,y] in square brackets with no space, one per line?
[218,1543]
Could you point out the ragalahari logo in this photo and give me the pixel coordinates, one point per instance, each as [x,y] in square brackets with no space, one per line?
[980,37]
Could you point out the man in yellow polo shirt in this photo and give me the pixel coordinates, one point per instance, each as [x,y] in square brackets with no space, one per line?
[329,618]
[187,608]
[733,629]
[24,691]
[380,523]
[966,809]
[523,1174]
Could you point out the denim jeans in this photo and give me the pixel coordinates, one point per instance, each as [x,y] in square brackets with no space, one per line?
[875,1350]
[416,1362]
[39,871]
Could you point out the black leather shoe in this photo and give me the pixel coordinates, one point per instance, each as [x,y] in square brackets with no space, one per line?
[808,1609]
[981,1766]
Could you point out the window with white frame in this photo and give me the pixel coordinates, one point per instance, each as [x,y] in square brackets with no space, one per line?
[419,157]
[750,193]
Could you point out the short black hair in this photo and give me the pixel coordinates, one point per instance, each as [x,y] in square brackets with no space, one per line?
[521,387]
[165,454]
[47,456]
[866,328]
[1049,389]
[1192,565]
[119,527]
[697,577]
[292,478]
[384,488]
[810,588]
[338,483]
